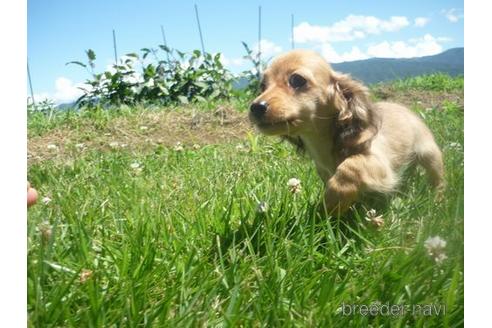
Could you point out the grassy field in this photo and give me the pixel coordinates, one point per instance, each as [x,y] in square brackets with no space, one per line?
[156,218]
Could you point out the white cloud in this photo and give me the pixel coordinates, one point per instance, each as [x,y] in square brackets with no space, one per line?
[443,39]
[350,28]
[425,46]
[65,91]
[267,48]
[230,62]
[416,47]
[453,15]
[332,56]
[38,97]
[428,38]
[236,64]
[421,21]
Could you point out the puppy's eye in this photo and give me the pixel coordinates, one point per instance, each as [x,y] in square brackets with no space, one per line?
[296,81]
[263,86]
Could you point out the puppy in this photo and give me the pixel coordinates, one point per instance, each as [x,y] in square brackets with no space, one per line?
[358,146]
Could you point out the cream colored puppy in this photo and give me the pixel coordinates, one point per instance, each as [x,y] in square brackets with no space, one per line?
[358,146]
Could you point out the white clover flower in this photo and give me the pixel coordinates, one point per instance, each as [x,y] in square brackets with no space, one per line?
[242,148]
[46,200]
[178,147]
[262,207]
[52,147]
[439,258]
[435,248]
[294,185]
[435,243]
[455,145]
[196,146]
[114,144]
[135,165]
[376,220]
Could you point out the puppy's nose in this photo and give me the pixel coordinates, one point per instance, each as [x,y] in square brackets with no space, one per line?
[259,108]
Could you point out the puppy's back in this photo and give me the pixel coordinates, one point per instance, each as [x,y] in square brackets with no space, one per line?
[402,131]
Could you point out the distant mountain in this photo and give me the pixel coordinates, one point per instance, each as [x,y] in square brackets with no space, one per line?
[67,106]
[240,83]
[375,70]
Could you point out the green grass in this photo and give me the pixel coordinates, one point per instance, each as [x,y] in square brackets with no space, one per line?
[181,242]
[39,123]
[434,82]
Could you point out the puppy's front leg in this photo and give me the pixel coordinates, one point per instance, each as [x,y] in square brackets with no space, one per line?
[355,174]
[343,188]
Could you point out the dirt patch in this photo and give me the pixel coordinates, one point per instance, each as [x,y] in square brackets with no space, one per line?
[143,131]
[146,129]
[420,98]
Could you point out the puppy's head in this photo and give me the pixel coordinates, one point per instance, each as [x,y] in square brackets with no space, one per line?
[300,94]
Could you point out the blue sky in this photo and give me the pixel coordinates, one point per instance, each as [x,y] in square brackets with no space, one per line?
[60,31]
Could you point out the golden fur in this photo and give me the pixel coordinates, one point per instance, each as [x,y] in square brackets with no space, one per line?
[358,146]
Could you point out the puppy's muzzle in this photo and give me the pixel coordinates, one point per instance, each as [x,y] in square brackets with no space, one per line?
[258,109]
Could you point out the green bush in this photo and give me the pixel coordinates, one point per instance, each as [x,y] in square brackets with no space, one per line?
[179,78]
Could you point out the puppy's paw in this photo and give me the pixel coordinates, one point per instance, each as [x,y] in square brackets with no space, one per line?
[440,189]
[337,203]
[439,196]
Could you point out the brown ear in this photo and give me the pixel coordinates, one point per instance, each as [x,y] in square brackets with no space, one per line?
[357,122]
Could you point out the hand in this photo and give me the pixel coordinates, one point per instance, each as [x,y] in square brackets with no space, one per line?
[32,195]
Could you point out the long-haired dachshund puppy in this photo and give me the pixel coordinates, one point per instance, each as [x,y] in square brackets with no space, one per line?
[358,146]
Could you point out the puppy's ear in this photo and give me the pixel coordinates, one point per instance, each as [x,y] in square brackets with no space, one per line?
[357,121]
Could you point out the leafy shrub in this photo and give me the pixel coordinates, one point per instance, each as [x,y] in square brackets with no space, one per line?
[179,78]
[45,106]
[252,76]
